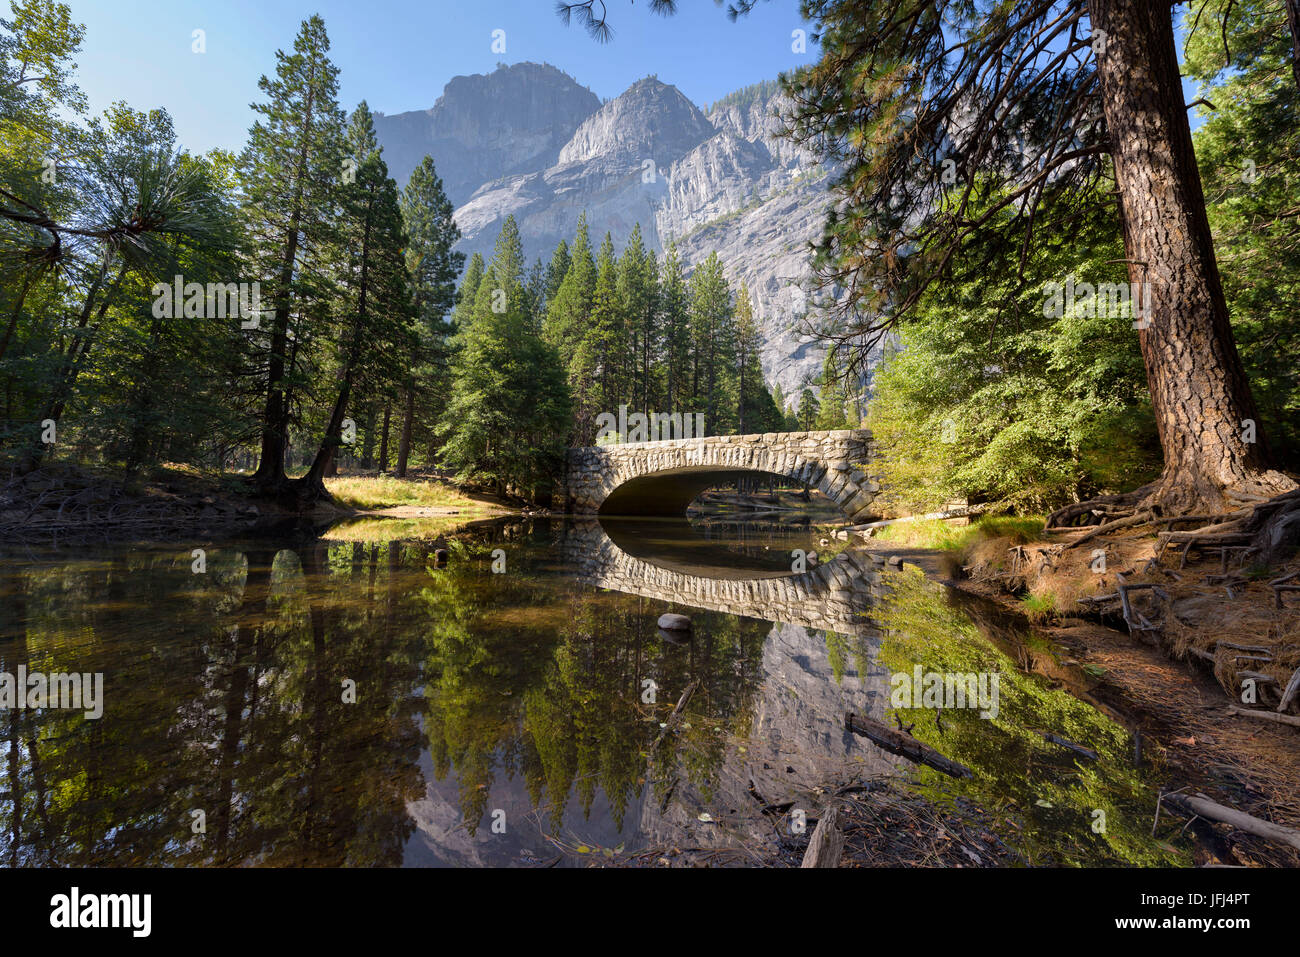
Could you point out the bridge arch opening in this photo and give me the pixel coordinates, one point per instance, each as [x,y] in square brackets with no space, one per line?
[670,493]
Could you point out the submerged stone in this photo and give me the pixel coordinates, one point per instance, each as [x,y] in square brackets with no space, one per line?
[671,622]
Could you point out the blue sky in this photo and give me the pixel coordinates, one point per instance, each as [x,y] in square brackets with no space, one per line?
[398,54]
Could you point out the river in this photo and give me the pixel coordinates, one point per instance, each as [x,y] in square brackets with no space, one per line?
[352,696]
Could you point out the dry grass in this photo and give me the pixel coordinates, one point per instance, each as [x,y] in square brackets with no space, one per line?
[384,491]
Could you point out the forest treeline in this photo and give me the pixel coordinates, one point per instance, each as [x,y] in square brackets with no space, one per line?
[287,307]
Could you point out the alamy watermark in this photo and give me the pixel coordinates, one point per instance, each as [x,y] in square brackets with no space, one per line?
[215,300]
[1103,300]
[647,427]
[35,689]
[934,689]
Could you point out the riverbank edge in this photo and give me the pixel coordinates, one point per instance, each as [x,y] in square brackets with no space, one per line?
[70,504]
[1178,699]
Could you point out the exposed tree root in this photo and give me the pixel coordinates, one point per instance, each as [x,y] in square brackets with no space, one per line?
[1095,510]
[1138,518]
[1267,529]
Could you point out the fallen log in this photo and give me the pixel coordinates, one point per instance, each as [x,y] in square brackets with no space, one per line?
[962,512]
[1079,749]
[904,745]
[672,718]
[1266,715]
[1204,807]
[827,844]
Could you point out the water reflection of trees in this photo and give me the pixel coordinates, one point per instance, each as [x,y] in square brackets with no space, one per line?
[224,693]
[1054,808]
[547,683]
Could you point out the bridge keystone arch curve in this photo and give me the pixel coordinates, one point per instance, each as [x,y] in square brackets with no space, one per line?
[663,478]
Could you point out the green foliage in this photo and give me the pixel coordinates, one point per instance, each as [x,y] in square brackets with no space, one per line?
[510,408]
[984,398]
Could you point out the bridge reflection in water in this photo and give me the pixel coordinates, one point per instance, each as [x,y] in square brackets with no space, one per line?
[834,596]
[819,660]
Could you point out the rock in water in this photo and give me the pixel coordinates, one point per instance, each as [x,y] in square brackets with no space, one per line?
[674,623]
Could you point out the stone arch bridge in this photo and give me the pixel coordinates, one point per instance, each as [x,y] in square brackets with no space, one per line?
[663,478]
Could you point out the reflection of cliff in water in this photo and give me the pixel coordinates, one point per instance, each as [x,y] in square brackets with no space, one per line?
[797,743]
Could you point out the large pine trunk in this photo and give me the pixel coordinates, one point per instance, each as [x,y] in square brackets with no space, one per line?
[270,477]
[1203,406]
[310,489]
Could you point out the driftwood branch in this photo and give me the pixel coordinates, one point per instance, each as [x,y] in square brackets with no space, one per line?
[1204,807]
[904,745]
[1079,749]
[677,711]
[1266,715]
[1292,689]
[827,844]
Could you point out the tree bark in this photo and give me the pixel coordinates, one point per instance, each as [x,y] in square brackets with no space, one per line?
[1199,391]
[1293,24]
[404,443]
[383,441]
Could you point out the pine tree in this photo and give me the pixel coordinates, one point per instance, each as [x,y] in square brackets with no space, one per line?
[468,291]
[291,172]
[569,312]
[374,338]
[604,341]
[556,270]
[433,267]
[712,342]
[809,408]
[535,289]
[836,402]
[509,409]
[638,296]
[674,318]
[752,395]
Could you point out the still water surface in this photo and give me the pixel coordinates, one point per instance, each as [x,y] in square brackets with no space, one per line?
[347,698]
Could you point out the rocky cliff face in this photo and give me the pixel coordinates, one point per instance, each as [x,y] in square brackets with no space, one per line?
[528,141]
[487,126]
